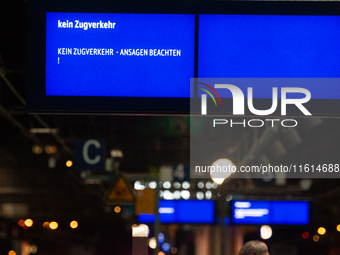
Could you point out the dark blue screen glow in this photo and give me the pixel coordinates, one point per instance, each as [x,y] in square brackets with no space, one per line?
[86,58]
[195,211]
[182,211]
[294,212]
[272,46]
[270,212]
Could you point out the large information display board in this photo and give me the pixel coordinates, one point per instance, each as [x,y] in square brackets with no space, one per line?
[119,55]
[138,57]
[272,46]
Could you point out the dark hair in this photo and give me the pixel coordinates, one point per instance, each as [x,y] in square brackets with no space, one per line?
[254,247]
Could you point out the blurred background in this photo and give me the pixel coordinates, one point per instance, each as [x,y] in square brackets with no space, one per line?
[53,202]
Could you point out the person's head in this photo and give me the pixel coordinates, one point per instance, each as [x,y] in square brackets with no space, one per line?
[254,248]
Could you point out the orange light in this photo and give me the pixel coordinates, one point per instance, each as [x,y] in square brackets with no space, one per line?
[117,209]
[338,227]
[36,149]
[53,225]
[21,223]
[11,252]
[29,223]
[74,224]
[69,163]
[321,231]
[46,224]
[51,149]
[134,225]
[316,238]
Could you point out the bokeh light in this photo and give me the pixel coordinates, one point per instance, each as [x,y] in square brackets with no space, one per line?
[69,163]
[266,232]
[117,209]
[36,149]
[224,164]
[21,223]
[145,226]
[316,238]
[173,250]
[305,235]
[53,225]
[153,243]
[74,224]
[321,231]
[29,223]
[46,224]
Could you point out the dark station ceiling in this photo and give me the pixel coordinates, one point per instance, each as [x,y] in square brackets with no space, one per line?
[147,142]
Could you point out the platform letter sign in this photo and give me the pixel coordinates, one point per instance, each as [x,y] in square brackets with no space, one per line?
[89,154]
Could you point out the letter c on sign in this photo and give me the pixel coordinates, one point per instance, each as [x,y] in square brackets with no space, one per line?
[86,152]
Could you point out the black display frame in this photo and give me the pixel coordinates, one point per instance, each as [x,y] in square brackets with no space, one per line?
[38,102]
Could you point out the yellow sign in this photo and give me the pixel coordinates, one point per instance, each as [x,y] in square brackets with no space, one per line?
[145,201]
[120,191]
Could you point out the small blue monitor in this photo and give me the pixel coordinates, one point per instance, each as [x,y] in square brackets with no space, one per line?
[182,211]
[270,212]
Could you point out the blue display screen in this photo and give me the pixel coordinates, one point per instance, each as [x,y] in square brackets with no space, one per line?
[272,46]
[119,55]
[182,211]
[270,212]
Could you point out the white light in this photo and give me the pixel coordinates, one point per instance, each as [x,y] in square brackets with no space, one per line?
[266,232]
[177,185]
[116,154]
[31,249]
[44,130]
[229,198]
[167,185]
[208,194]
[185,194]
[152,243]
[168,195]
[153,185]
[306,184]
[224,168]
[200,195]
[218,181]
[161,193]
[256,213]
[186,185]
[208,185]
[139,186]
[140,231]
[166,210]
[200,185]
[242,204]
[144,226]
[214,185]
[177,194]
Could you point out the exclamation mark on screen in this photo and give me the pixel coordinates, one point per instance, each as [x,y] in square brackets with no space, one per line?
[58,60]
